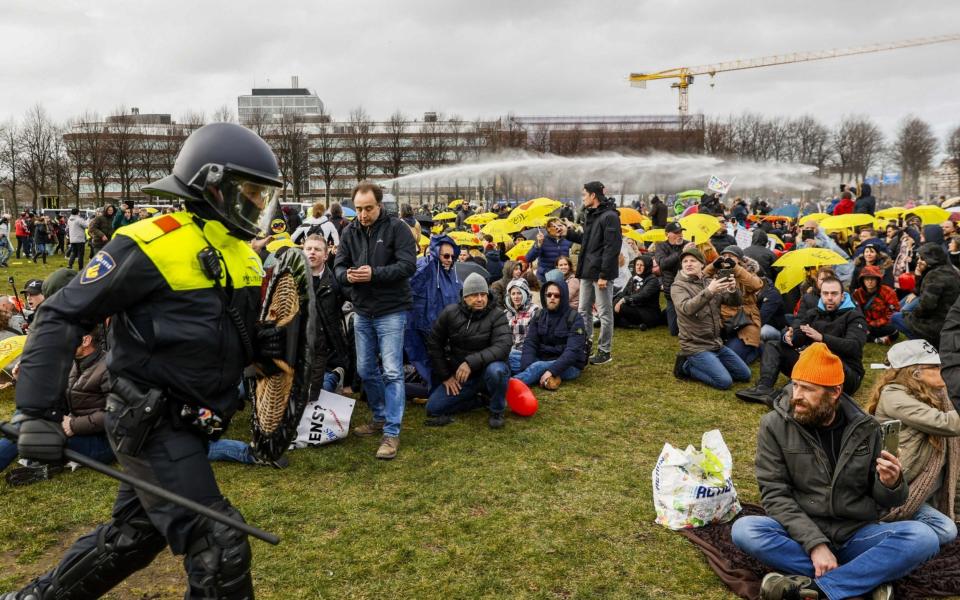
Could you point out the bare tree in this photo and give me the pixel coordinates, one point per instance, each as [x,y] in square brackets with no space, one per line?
[913,151]
[61,168]
[327,154]
[291,147]
[149,151]
[718,137]
[858,144]
[224,114]
[122,134]
[396,148]
[360,143]
[77,161]
[11,159]
[258,122]
[37,139]
[809,142]
[952,148]
[97,151]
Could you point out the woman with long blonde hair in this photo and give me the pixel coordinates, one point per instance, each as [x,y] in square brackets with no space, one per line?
[913,392]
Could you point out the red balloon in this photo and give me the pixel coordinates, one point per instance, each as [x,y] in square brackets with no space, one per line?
[520,399]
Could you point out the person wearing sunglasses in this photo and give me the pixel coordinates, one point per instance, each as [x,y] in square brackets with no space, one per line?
[556,346]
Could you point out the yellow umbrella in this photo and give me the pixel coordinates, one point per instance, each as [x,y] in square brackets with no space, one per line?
[890,213]
[654,235]
[436,229]
[444,216]
[810,257]
[790,278]
[500,226]
[629,216]
[633,234]
[520,249]
[776,240]
[699,227]
[813,217]
[455,204]
[10,349]
[525,214]
[846,221]
[929,214]
[480,219]
[464,238]
[424,241]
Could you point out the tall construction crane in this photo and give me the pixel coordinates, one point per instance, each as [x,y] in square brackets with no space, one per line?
[685,75]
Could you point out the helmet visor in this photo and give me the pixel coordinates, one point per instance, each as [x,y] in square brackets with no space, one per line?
[242,202]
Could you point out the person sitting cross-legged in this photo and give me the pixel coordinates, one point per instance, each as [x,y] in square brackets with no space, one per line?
[468,349]
[555,347]
[824,481]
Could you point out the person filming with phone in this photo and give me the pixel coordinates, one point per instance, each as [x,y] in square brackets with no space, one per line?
[824,479]
[913,395]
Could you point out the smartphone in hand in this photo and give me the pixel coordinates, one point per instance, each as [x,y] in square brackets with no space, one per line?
[890,431]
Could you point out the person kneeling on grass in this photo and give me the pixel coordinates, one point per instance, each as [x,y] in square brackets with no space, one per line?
[555,348]
[824,480]
[697,300]
[468,348]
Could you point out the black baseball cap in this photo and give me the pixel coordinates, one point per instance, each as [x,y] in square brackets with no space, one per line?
[33,287]
[674,227]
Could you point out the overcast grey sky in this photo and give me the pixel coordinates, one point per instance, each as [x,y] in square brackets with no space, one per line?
[483,58]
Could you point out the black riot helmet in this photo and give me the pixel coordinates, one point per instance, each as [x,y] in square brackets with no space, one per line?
[229,169]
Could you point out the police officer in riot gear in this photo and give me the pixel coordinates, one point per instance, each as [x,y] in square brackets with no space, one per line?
[182,291]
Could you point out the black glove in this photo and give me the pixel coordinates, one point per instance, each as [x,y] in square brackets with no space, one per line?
[271,341]
[41,440]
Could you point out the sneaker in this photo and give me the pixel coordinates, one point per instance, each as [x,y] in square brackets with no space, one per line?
[438,421]
[759,393]
[419,401]
[495,421]
[281,463]
[787,587]
[368,429]
[552,383]
[341,375]
[883,592]
[601,358]
[33,474]
[883,341]
[388,447]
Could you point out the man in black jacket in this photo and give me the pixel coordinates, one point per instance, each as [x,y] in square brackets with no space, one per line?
[598,266]
[758,251]
[658,213]
[376,258]
[667,256]
[836,321]
[468,348]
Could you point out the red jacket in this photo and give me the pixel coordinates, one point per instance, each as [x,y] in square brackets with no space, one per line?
[844,207]
[882,305]
[20,228]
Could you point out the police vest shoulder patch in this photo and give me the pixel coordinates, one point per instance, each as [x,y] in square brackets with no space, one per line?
[99,267]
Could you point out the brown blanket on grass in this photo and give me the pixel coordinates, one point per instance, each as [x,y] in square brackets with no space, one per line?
[939,576]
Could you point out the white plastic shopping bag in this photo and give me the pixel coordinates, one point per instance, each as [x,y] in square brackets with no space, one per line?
[693,488]
[324,420]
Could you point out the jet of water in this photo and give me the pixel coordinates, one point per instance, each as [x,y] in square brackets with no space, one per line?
[642,172]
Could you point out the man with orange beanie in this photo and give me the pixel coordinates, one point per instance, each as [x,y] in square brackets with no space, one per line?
[824,480]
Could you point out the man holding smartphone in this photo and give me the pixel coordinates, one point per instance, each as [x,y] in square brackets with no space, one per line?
[376,259]
[824,479]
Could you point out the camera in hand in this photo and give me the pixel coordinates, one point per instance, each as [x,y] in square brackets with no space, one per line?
[807,234]
[799,339]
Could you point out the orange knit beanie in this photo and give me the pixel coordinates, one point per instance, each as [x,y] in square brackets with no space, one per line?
[819,366]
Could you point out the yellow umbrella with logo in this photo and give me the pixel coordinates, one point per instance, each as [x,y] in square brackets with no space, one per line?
[813,217]
[480,219]
[455,203]
[699,227]
[893,212]
[10,349]
[444,216]
[929,214]
[526,214]
[846,221]
[464,238]
[790,278]
[654,235]
[520,249]
[633,234]
[500,229]
[810,257]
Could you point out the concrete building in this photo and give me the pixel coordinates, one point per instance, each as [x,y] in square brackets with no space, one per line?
[270,104]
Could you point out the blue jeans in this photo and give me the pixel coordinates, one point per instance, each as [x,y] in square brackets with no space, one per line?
[717,369]
[230,451]
[875,554]
[747,354]
[330,381]
[493,382]
[897,318]
[383,388]
[941,524]
[94,446]
[532,374]
[514,361]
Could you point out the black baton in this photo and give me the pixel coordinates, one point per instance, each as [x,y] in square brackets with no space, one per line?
[12,433]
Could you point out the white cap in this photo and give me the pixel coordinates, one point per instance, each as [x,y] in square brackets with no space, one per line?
[911,353]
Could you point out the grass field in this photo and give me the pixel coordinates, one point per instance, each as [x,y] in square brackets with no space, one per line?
[555,506]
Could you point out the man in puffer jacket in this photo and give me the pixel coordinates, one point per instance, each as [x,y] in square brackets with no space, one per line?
[520,310]
[938,289]
[555,348]
[468,348]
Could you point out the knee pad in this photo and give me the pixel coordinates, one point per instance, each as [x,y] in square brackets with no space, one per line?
[218,560]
